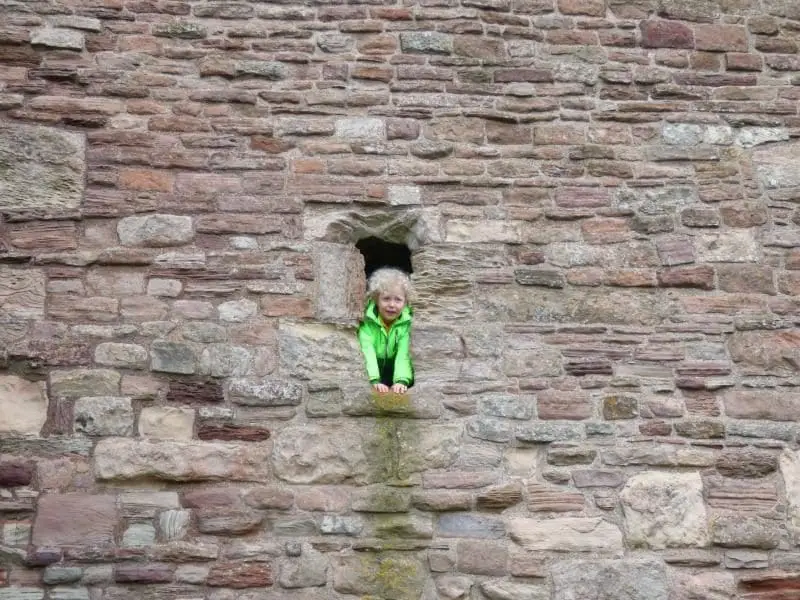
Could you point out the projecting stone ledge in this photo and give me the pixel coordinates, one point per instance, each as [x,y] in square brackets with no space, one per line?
[417,403]
[122,458]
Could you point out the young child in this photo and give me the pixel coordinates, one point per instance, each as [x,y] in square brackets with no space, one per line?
[385,331]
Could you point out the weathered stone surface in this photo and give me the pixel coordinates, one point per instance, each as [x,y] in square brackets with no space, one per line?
[180,461]
[155,231]
[166,422]
[314,454]
[382,575]
[566,535]
[112,354]
[44,168]
[240,575]
[23,405]
[172,357]
[75,520]
[664,510]
[265,392]
[309,570]
[610,579]
[747,463]
[320,352]
[22,293]
[736,531]
[499,589]
[104,416]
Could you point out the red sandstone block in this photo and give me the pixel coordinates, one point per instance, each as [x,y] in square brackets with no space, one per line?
[592,8]
[746,278]
[631,278]
[146,180]
[695,276]
[720,38]
[388,13]
[525,75]
[559,134]
[143,573]
[572,37]
[666,34]
[776,45]
[287,306]
[789,283]
[743,62]
[178,123]
[556,404]
[373,73]
[583,197]
[241,575]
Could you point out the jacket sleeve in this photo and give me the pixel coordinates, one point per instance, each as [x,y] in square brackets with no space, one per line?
[403,369]
[367,341]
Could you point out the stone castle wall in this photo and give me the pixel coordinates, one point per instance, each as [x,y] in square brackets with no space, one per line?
[600,197]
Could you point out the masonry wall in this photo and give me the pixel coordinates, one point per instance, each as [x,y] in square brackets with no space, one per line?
[600,197]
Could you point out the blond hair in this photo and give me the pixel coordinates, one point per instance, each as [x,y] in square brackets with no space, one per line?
[386,278]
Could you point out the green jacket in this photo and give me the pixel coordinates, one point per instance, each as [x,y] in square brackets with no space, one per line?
[380,346]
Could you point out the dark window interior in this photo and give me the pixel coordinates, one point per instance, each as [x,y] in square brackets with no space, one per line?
[378,253]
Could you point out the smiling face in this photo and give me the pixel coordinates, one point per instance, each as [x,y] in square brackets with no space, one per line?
[390,304]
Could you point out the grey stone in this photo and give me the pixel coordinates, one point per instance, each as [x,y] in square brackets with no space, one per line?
[203,332]
[361,128]
[682,134]
[427,42]
[65,39]
[104,415]
[549,431]
[453,587]
[668,200]
[338,525]
[569,534]
[21,593]
[383,575]
[23,405]
[146,504]
[776,165]
[172,357]
[317,454]
[540,277]
[113,354]
[418,447]
[122,458]
[381,499]
[174,524]
[746,559]
[237,311]
[335,264]
[499,589]
[322,353]
[69,593]
[665,510]
[404,195]
[730,246]
[195,574]
[596,478]
[310,570]
[155,231]
[166,422]
[22,294]
[180,30]
[224,360]
[490,429]
[266,391]
[270,70]
[400,526]
[632,579]
[662,455]
[76,22]
[737,531]
[748,137]
[43,169]
[167,288]
[508,407]
[470,526]
[138,535]
[761,430]
[56,574]
[335,42]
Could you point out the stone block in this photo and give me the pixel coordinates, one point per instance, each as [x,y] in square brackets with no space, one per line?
[634,579]
[735,530]
[155,231]
[23,405]
[665,510]
[498,589]
[309,570]
[225,360]
[166,422]
[63,39]
[569,534]
[22,292]
[469,526]
[426,42]
[382,575]
[103,416]
[174,524]
[75,520]
[172,357]
[320,455]
[139,535]
[265,392]
[126,356]
[122,459]
[237,311]
[361,128]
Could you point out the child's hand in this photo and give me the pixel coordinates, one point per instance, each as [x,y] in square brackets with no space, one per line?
[380,388]
[399,388]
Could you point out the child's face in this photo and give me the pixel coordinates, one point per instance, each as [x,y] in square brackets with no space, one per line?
[391,303]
